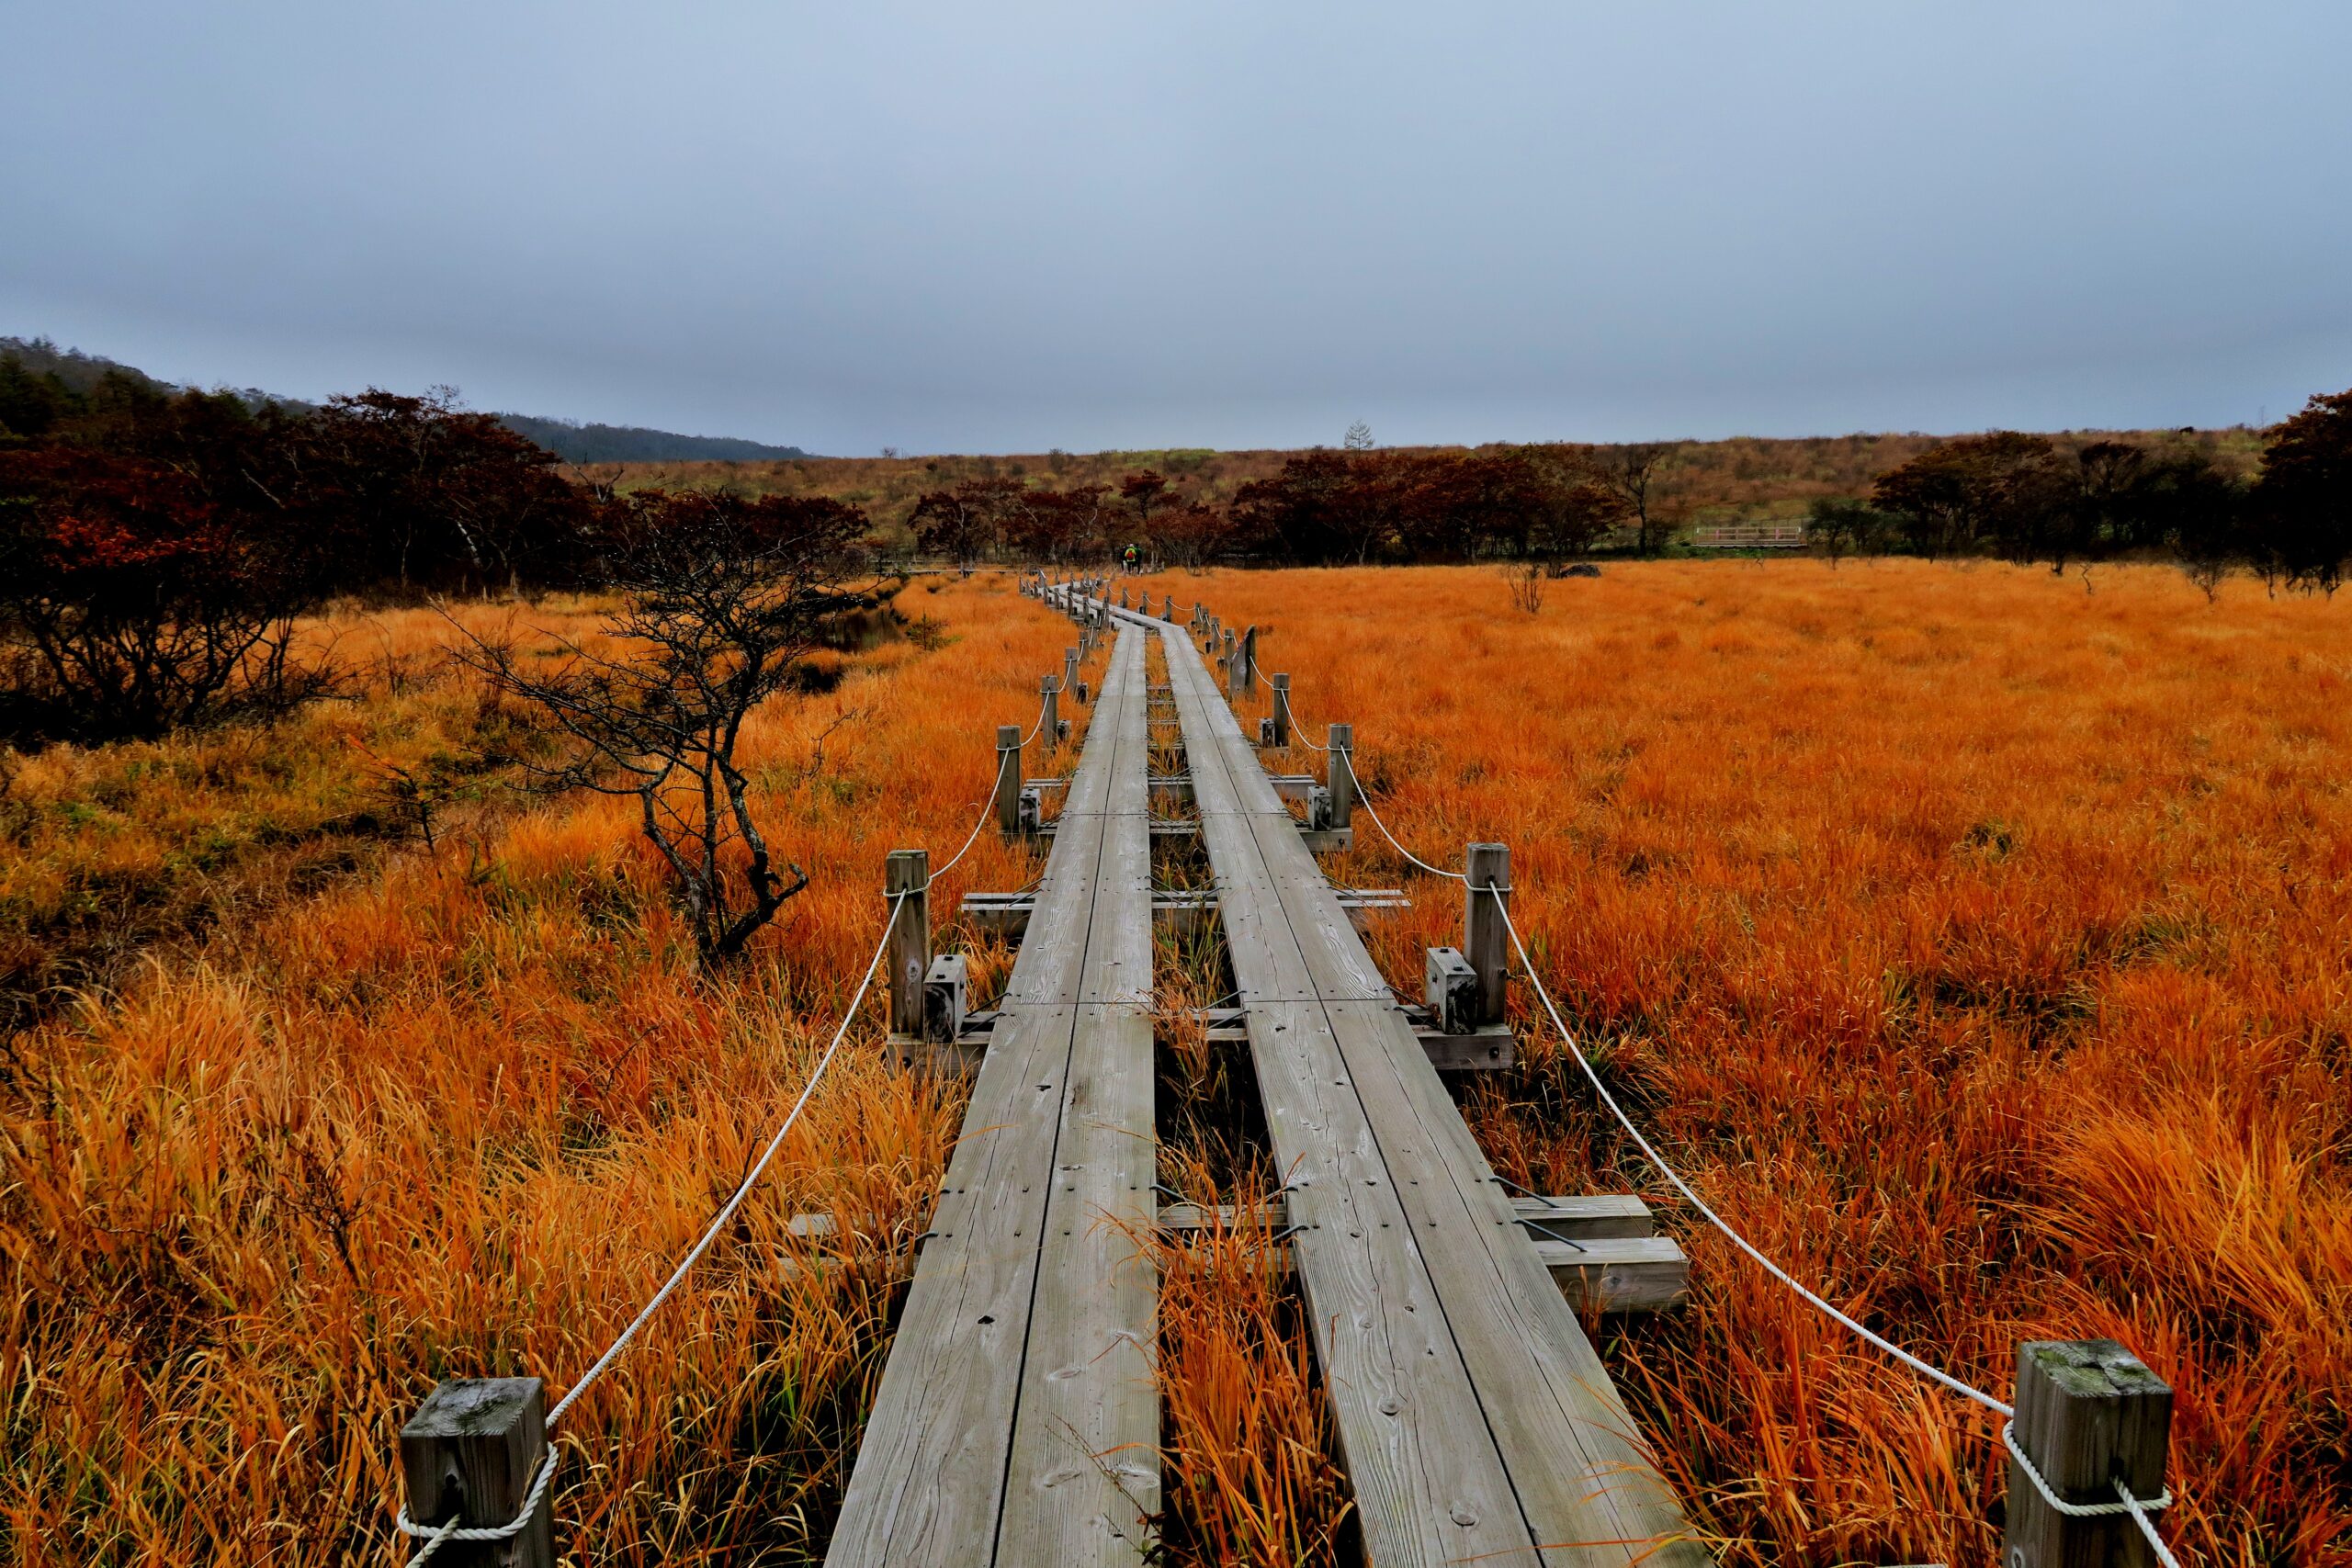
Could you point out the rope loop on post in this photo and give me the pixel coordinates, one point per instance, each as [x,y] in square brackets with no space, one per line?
[2138,1508]
[435,1536]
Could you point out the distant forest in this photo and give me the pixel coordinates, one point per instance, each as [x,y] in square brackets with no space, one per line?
[577,442]
[573,442]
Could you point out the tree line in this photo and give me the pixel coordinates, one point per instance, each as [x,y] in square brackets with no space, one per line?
[2019,497]
[158,546]
[2027,498]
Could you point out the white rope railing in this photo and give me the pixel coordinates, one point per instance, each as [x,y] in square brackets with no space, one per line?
[2139,1509]
[726,1212]
[437,1536]
[1675,1177]
[1648,1150]
[1349,756]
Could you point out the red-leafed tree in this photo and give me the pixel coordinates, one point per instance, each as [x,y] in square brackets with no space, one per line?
[2004,490]
[969,521]
[1145,492]
[1190,533]
[419,491]
[134,602]
[1058,524]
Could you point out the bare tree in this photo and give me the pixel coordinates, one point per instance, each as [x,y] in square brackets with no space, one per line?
[1359,437]
[1525,577]
[1633,471]
[722,600]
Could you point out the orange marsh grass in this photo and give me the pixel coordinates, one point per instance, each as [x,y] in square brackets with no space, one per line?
[457,1115]
[1979,944]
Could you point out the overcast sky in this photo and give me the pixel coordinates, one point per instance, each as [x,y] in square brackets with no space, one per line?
[1004,228]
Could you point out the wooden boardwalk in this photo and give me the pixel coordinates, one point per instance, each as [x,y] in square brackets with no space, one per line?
[1017,1422]
[1477,1423]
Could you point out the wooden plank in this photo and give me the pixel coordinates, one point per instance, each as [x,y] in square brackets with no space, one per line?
[931,1481]
[1084,1470]
[1535,1442]
[1429,1486]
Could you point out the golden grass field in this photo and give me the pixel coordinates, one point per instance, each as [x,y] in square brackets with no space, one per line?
[1979,944]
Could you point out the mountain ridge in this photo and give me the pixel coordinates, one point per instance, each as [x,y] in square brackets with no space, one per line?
[574,441]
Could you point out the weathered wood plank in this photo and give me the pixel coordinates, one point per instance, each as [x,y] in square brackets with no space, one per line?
[1551,1457]
[1084,1470]
[931,1481]
[1429,1487]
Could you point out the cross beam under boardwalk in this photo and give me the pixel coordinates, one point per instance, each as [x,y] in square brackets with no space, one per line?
[1477,1422]
[1017,1422]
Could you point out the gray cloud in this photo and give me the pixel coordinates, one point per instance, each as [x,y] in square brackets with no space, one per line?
[1007,228]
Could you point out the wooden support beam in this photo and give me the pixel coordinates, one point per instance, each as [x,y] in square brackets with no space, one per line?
[1600,1251]
[908,871]
[2090,1414]
[1612,1216]
[1487,1050]
[1484,939]
[1007,915]
[471,1454]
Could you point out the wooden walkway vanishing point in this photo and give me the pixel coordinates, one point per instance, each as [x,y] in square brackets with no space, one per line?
[1016,1425]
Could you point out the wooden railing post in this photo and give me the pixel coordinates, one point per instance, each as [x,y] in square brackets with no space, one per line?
[1048,730]
[471,1454]
[1169,612]
[2089,1415]
[1008,777]
[1282,709]
[1340,775]
[909,872]
[1485,941]
[1070,668]
[1250,662]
